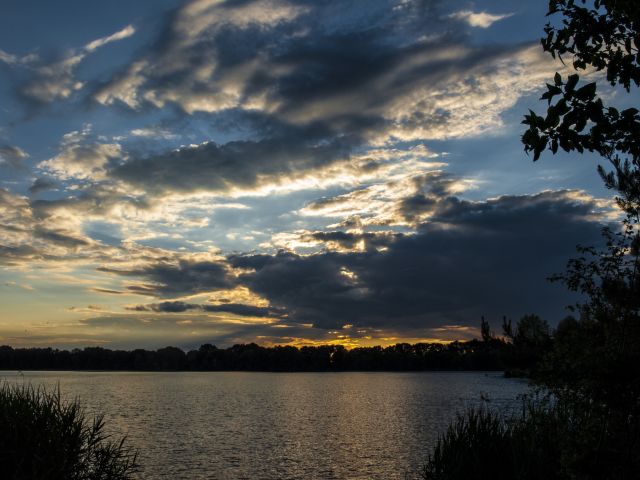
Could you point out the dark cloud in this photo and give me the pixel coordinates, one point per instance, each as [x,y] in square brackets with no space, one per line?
[107,291]
[94,200]
[353,241]
[432,192]
[412,208]
[234,308]
[50,75]
[244,310]
[16,254]
[295,52]
[240,164]
[178,278]
[41,230]
[165,307]
[12,156]
[472,258]
[59,237]
[354,73]
[41,185]
[304,85]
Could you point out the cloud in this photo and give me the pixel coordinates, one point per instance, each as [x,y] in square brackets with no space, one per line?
[329,113]
[187,331]
[182,276]
[310,93]
[192,330]
[153,133]
[233,308]
[11,59]
[127,31]
[59,237]
[480,19]
[469,259]
[17,223]
[466,259]
[184,66]
[239,165]
[354,241]
[293,160]
[12,156]
[82,161]
[53,79]
[309,90]
[41,185]
[26,287]
[82,157]
[405,199]
[373,74]
[107,291]
[43,232]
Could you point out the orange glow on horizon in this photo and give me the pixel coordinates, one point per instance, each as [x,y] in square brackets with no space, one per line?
[350,343]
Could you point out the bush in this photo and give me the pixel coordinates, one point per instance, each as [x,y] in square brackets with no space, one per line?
[44,437]
[559,438]
[483,444]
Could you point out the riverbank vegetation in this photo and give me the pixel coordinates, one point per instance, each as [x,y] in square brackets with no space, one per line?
[45,437]
[585,423]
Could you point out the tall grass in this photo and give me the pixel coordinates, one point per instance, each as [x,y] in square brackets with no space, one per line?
[551,439]
[484,444]
[44,437]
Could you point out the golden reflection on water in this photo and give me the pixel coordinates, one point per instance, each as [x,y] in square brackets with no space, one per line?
[232,425]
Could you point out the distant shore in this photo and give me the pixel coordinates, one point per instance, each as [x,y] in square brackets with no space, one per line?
[472,355]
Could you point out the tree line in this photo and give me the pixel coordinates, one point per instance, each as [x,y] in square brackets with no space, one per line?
[515,351]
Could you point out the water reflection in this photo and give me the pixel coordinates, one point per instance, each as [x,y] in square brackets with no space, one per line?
[232,425]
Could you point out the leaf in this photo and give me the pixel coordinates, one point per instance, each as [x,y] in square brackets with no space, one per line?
[562,108]
[587,92]
[557,79]
[572,81]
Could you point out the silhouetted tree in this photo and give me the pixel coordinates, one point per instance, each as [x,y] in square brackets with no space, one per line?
[594,366]
[507,328]
[600,35]
[532,331]
[591,428]
[471,355]
[485,330]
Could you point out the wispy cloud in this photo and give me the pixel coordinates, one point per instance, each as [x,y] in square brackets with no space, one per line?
[12,156]
[55,79]
[127,31]
[479,19]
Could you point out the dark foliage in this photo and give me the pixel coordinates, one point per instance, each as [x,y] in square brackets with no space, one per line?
[588,425]
[45,438]
[519,351]
[551,439]
[600,35]
[483,444]
[594,365]
[530,341]
[472,355]
[598,355]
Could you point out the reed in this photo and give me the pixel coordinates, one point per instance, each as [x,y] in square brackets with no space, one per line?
[45,437]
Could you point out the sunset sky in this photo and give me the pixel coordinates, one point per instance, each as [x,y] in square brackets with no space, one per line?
[278,171]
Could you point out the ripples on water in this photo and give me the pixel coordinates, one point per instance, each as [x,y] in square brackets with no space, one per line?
[234,425]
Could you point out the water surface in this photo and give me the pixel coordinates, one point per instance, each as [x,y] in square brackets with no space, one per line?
[234,425]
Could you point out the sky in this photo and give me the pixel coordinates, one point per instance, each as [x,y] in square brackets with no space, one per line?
[279,171]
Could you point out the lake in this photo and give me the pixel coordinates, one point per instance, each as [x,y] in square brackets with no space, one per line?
[235,425]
